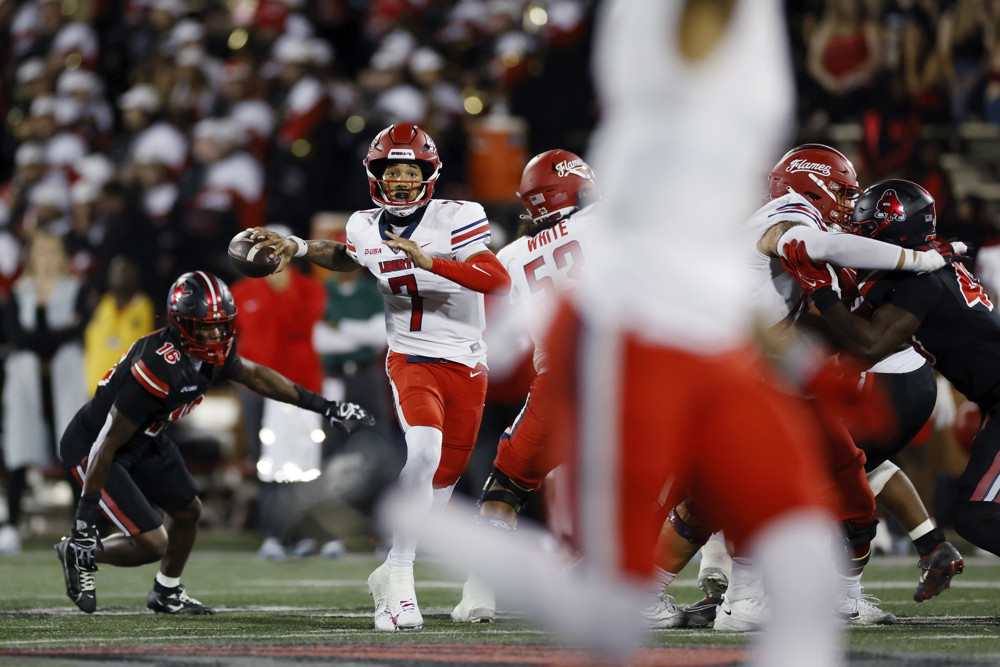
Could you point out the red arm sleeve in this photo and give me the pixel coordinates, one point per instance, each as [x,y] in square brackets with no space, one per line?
[482,273]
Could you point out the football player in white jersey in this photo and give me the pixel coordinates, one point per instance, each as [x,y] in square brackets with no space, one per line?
[433,266]
[558,191]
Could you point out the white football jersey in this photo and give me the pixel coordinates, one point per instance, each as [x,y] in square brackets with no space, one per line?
[681,156]
[776,295]
[541,267]
[426,314]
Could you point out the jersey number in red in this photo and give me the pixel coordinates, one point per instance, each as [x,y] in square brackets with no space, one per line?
[169,353]
[568,257]
[409,283]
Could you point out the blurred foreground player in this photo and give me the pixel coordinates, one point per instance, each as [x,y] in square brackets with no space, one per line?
[659,382]
[127,466]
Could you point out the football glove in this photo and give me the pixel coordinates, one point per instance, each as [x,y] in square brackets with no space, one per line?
[347,416]
[84,541]
[818,279]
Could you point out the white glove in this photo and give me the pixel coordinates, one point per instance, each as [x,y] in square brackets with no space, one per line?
[922,261]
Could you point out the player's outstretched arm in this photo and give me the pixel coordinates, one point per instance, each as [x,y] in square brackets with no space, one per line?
[856,252]
[330,255]
[272,384]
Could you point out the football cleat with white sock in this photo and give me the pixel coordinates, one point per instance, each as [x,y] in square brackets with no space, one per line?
[478,603]
[743,615]
[663,614]
[859,609]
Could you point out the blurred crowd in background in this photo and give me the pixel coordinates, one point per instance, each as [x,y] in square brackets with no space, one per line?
[143,134]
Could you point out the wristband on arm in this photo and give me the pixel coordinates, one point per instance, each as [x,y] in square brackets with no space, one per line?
[303,247]
[482,273]
[310,400]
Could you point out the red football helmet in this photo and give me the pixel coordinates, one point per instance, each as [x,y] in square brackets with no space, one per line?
[555,184]
[402,142]
[198,302]
[821,174]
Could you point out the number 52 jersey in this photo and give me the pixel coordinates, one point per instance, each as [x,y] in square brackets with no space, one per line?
[426,314]
[543,266]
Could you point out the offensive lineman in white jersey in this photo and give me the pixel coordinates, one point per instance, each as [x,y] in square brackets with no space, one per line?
[432,264]
[558,191]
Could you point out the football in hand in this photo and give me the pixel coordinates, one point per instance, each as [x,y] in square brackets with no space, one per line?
[250,261]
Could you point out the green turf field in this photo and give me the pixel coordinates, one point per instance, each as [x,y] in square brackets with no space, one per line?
[270,610]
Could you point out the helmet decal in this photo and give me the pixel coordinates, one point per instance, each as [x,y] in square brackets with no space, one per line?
[889,207]
[554,184]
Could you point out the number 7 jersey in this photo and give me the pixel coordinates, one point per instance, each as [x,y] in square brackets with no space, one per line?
[426,314]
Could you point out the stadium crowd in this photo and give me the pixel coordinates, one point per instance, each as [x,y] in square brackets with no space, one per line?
[145,133]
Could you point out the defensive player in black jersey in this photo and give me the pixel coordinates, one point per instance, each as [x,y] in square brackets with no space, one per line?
[127,467]
[945,314]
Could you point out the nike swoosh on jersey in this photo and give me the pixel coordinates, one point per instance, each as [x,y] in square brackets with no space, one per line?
[472,375]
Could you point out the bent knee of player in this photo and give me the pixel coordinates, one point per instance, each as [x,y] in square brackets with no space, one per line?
[190,514]
[152,544]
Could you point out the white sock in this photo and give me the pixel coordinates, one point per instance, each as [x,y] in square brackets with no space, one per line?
[921,530]
[794,554]
[423,454]
[715,554]
[661,579]
[167,582]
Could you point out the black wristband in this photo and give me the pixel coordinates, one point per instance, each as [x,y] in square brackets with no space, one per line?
[310,400]
[825,297]
[88,510]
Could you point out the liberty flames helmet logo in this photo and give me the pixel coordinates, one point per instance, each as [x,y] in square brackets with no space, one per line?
[806,165]
[575,167]
[889,208]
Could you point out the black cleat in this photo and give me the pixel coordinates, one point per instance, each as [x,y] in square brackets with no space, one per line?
[174,601]
[80,586]
[937,569]
[701,613]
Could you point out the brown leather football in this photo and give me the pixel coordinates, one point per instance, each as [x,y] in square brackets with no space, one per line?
[251,262]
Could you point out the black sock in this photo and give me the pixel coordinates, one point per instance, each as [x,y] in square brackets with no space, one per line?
[929,542]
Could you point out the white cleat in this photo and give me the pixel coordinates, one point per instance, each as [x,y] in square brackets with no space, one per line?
[860,609]
[406,614]
[383,619]
[401,599]
[664,614]
[713,582]
[478,604]
[378,583]
[744,615]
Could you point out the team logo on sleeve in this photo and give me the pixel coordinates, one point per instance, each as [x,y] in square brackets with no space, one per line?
[889,208]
